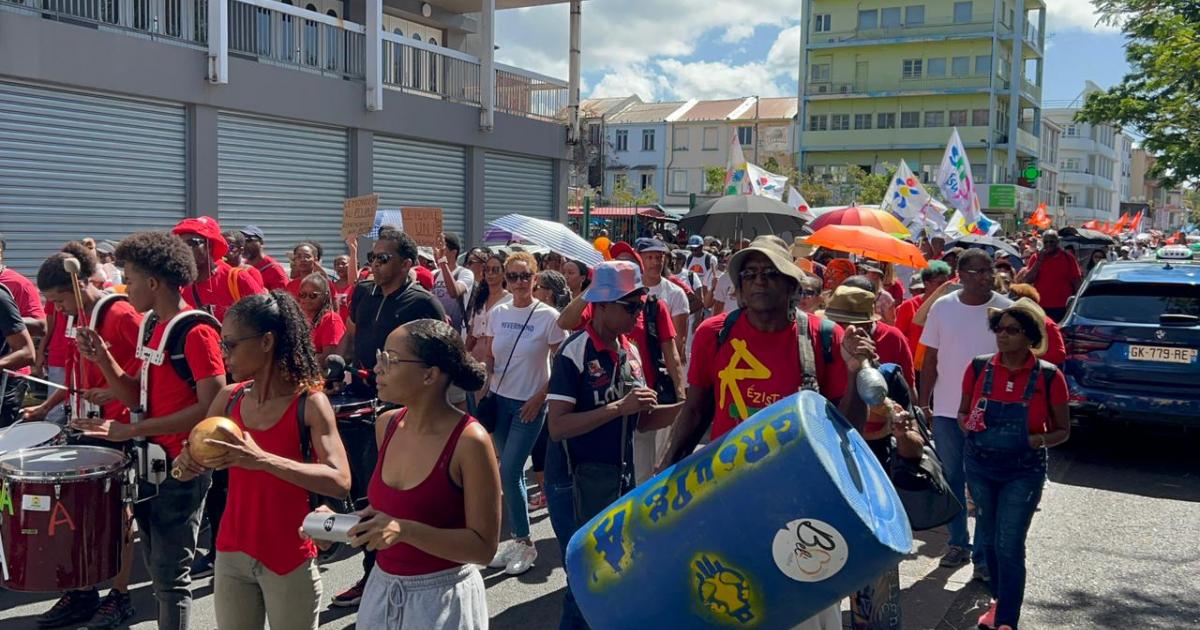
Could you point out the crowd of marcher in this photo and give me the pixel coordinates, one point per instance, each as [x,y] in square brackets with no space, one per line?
[484,358]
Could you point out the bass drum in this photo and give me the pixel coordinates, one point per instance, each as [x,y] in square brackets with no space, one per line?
[62,516]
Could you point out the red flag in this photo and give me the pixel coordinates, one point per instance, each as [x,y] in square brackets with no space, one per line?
[1136,223]
[1175,238]
[1039,219]
[1091,225]
[1121,223]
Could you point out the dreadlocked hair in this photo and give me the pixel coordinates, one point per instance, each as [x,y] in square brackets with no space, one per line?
[53,272]
[278,313]
[438,345]
[319,279]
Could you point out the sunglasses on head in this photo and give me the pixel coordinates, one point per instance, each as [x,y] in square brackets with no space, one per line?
[523,276]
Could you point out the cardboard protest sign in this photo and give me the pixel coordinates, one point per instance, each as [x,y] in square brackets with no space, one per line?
[424,225]
[358,215]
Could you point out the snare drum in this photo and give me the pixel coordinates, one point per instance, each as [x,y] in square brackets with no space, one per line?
[356,425]
[29,435]
[62,516]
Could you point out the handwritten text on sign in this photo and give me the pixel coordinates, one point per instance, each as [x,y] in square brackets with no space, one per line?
[424,225]
[358,215]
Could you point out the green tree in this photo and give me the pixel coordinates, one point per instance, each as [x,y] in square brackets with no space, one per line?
[1160,97]
[647,197]
[772,165]
[815,192]
[621,194]
[714,180]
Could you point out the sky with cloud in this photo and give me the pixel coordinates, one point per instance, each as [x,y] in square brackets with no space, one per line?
[681,49]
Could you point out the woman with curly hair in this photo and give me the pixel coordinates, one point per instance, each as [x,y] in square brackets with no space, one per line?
[265,570]
[434,508]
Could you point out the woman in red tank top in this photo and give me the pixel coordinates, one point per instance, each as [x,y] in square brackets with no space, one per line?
[435,496]
[265,571]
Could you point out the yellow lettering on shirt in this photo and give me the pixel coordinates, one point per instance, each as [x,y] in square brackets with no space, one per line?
[732,375]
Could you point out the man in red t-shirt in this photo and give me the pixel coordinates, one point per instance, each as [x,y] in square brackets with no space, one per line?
[237,243]
[217,285]
[1055,274]
[759,361]
[932,277]
[157,266]
[274,276]
[118,327]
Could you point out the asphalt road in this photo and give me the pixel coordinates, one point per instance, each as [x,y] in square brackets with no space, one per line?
[1115,545]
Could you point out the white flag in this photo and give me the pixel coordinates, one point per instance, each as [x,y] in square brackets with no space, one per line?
[954,179]
[736,178]
[765,183]
[797,202]
[905,196]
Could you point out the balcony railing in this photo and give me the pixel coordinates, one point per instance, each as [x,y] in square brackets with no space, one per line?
[276,33]
[184,21]
[280,33]
[919,84]
[926,28]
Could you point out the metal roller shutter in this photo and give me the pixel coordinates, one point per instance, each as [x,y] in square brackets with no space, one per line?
[287,178]
[412,173]
[518,184]
[74,164]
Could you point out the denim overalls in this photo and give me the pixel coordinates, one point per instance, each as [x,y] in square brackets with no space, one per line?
[1005,477]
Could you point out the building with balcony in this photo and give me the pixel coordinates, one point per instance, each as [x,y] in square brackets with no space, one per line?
[1047,184]
[125,115]
[1092,162]
[593,150]
[882,82]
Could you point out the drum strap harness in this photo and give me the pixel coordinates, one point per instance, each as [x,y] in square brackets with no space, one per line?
[79,407]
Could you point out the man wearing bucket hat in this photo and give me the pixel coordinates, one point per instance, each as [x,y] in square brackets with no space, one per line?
[1013,407]
[597,397]
[851,306]
[761,338]
[217,285]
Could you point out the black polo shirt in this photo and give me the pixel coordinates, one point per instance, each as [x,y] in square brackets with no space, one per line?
[10,324]
[583,374]
[376,315]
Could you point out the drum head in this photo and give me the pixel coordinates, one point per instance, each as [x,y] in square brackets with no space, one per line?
[61,462]
[27,434]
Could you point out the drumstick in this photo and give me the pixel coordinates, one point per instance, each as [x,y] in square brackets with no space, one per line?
[72,267]
[35,379]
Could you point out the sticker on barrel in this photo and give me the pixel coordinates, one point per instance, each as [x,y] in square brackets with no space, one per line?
[35,503]
[809,550]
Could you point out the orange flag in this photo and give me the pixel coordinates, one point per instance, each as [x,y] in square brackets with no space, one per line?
[1091,225]
[1121,223]
[1136,223]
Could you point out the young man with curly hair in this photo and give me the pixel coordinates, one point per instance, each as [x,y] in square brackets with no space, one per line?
[157,266]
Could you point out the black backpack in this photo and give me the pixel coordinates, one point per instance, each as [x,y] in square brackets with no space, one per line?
[178,329]
[664,385]
[826,333]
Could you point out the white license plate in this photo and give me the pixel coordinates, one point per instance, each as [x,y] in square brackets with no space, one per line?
[1162,355]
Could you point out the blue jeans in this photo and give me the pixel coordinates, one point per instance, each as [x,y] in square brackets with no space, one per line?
[1007,489]
[514,440]
[169,524]
[561,503]
[949,440]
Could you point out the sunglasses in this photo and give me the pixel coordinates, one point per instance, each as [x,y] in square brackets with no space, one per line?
[253,239]
[1011,331]
[310,295]
[523,276]
[229,345]
[768,274]
[978,272]
[195,241]
[384,360]
[381,259]
[631,308]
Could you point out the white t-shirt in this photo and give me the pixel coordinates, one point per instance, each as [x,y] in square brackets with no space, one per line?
[455,308]
[530,369]
[959,333]
[703,266]
[670,294]
[479,323]
[724,293]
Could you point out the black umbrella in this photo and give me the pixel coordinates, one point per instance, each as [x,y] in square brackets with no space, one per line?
[1086,236]
[978,240]
[742,216]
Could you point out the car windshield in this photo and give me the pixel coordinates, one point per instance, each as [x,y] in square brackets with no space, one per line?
[1139,303]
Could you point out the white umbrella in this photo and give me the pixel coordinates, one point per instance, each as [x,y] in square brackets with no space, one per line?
[555,236]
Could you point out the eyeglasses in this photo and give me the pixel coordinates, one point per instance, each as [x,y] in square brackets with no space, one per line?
[523,276]
[768,274]
[380,259]
[631,308]
[977,272]
[229,345]
[195,241]
[384,360]
[311,295]
[1011,331]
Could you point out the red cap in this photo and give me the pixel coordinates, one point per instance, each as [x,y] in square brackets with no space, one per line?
[621,247]
[209,229]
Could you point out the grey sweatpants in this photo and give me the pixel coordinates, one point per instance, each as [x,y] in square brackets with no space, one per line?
[453,599]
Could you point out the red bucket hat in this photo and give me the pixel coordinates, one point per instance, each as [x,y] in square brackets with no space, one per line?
[209,229]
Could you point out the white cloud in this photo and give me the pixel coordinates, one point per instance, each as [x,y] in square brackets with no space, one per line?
[737,33]
[716,80]
[631,79]
[1074,14]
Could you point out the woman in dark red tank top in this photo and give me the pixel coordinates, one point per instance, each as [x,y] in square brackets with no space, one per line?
[435,496]
[265,571]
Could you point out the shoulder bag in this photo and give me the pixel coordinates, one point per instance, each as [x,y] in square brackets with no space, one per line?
[596,485]
[487,410]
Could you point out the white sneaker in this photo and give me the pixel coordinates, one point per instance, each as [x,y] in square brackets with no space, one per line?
[522,558]
[503,554]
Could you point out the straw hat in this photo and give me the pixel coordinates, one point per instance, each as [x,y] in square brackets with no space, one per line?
[1039,319]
